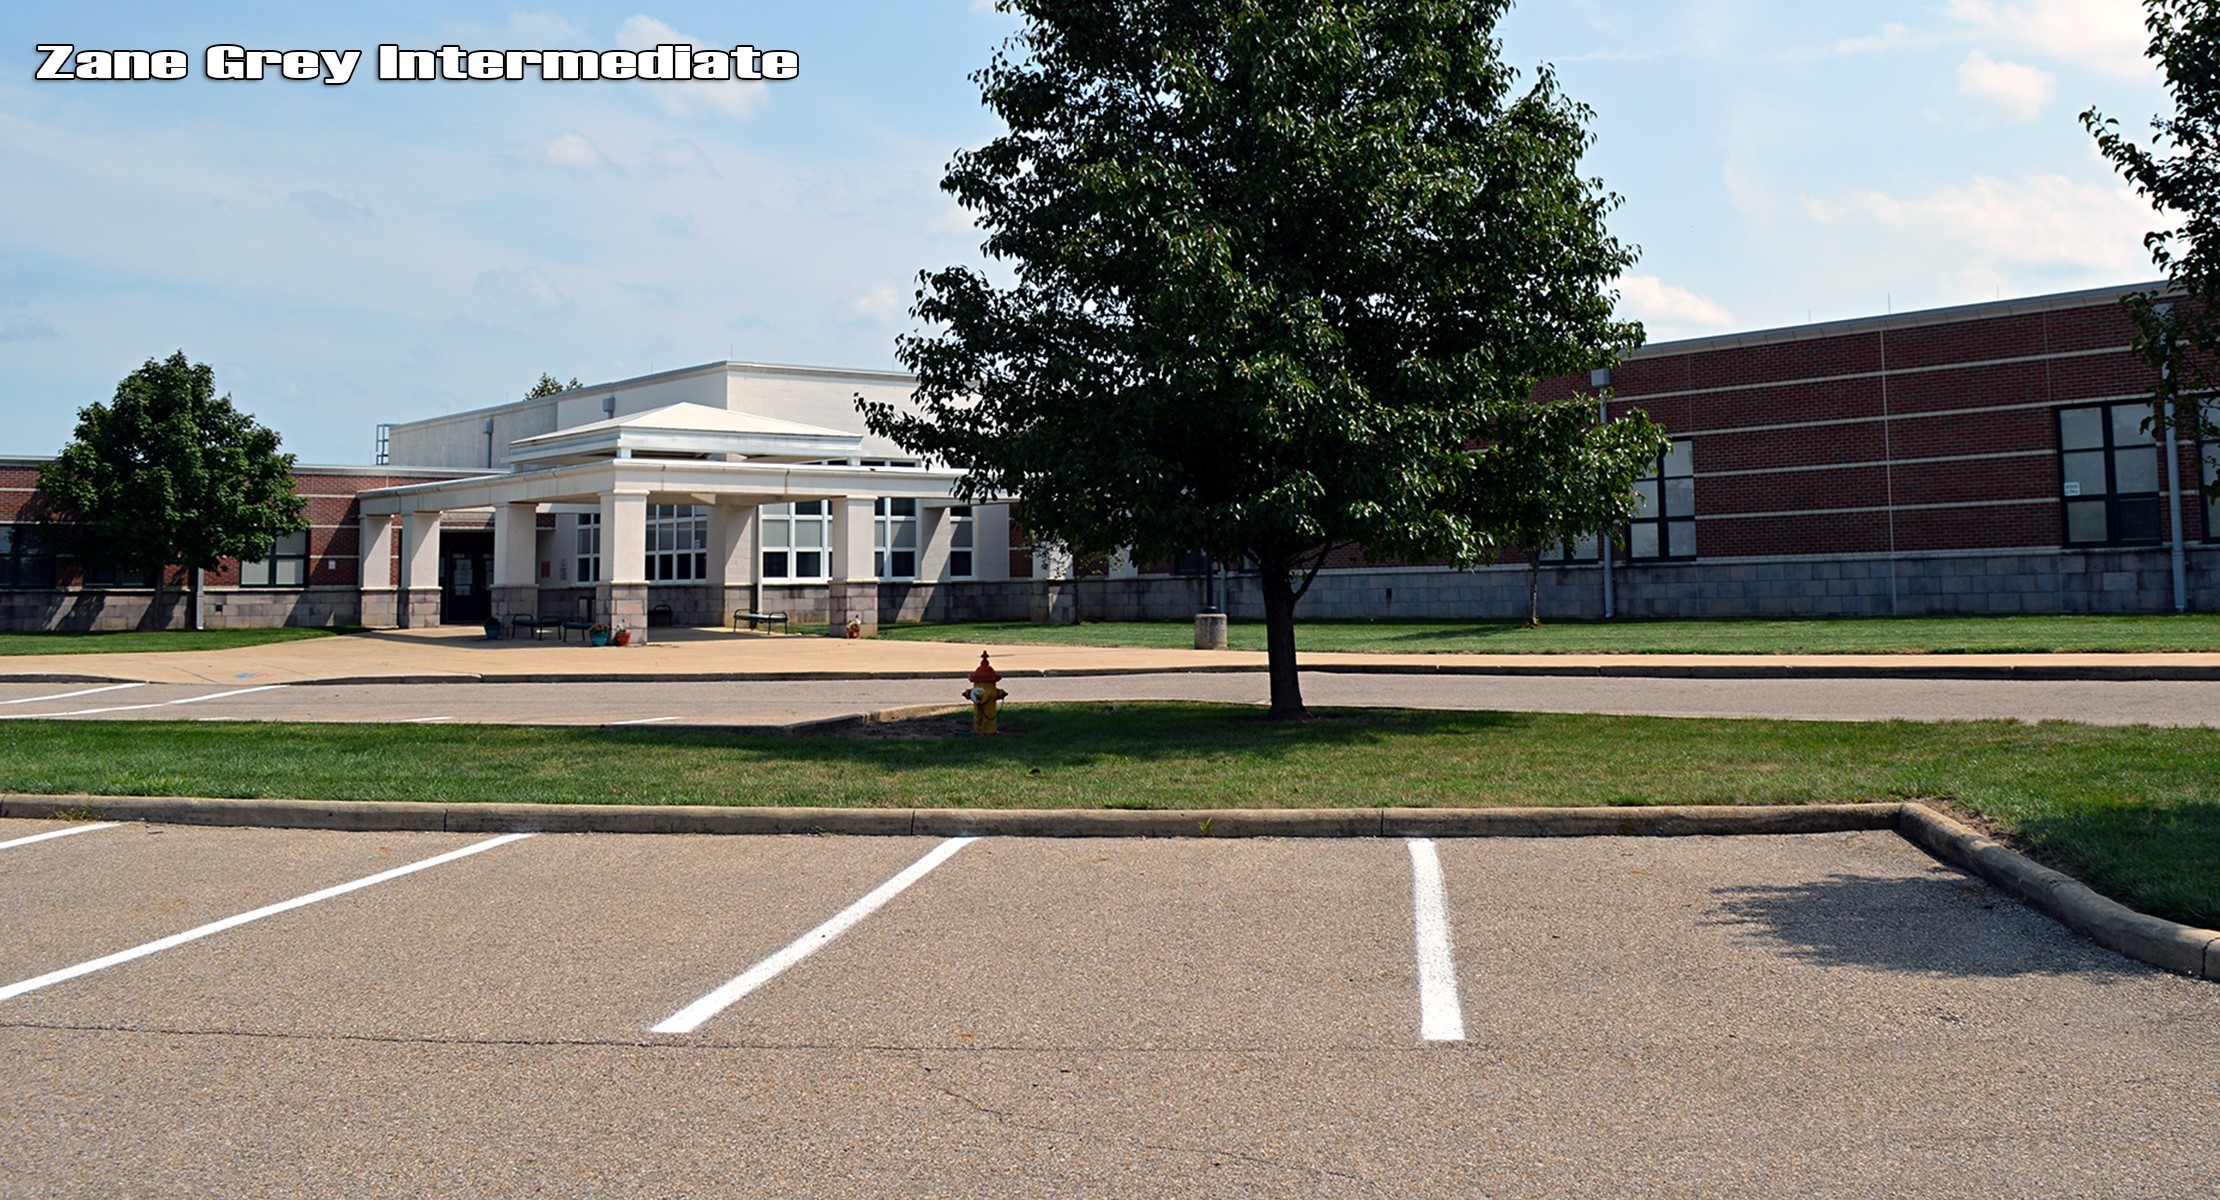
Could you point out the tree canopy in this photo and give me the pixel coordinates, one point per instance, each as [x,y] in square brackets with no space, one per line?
[551,386]
[170,474]
[2179,172]
[1278,269]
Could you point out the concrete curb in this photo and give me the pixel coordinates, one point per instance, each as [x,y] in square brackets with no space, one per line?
[2161,943]
[382,815]
[2091,673]
[2108,923]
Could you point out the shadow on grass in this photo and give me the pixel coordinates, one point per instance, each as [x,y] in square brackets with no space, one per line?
[1082,735]
[1939,925]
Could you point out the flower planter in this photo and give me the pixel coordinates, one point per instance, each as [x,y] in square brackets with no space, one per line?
[597,637]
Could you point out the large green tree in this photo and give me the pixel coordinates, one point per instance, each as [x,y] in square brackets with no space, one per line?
[168,474]
[1276,268]
[2179,172]
[1554,475]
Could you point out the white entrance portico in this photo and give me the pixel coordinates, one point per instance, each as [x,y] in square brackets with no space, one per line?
[691,477]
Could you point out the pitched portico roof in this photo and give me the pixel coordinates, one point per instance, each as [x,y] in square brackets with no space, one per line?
[685,431]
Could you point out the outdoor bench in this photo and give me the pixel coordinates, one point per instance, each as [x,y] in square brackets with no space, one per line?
[776,620]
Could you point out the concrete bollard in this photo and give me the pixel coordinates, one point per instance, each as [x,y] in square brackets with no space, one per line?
[1210,631]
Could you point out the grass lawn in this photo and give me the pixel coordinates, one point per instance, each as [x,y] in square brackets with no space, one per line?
[137,641]
[1864,635]
[2134,811]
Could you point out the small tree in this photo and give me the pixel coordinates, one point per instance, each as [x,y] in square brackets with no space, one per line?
[1554,475]
[551,386]
[1278,266]
[2179,172]
[168,474]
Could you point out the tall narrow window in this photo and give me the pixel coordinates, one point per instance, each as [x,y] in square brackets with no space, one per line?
[2109,475]
[587,548]
[963,529]
[1580,549]
[894,538]
[794,539]
[1664,523]
[25,562]
[286,565]
[677,543]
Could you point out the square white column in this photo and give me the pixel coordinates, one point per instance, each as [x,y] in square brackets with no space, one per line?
[850,558]
[420,550]
[624,538]
[516,545]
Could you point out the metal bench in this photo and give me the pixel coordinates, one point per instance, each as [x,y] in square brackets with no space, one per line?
[521,622]
[581,624]
[661,615]
[775,620]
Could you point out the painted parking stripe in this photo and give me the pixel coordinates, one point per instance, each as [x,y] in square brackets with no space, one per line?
[642,721]
[51,834]
[690,1018]
[113,687]
[87,712]
[214,927]
[425,720]
[1440,1017]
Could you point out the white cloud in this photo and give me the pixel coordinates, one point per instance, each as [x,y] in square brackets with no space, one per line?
[330,209]
[1668,307]
[2019,91]
[574,149]
[881,304]
[2045,221]
[736,99]
[529,290]
[2105,34]
[22,328]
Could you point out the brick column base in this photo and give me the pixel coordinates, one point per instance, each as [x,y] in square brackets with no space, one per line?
[419,608]
[857,598]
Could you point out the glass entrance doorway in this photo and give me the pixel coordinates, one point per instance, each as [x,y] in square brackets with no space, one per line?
[465,578]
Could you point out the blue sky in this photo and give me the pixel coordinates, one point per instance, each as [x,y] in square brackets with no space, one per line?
[388,251]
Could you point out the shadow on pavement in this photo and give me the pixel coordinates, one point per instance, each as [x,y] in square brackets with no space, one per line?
[1939,925]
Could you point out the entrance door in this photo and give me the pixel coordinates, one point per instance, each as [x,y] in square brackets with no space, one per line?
[465,578]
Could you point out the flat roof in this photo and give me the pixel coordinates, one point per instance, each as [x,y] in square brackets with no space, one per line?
[1987,309]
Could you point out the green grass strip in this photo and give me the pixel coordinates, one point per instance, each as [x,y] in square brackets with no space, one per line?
[141,641]
[2133,810]
[1864,635]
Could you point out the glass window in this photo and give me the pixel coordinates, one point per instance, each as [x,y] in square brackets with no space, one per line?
[586,548]
[794,539]
[108,574]
[24,559]
[894,538]
[1664,522]
[1580,549]
[677,543]
[285,566]
[962,535]
[2109,475]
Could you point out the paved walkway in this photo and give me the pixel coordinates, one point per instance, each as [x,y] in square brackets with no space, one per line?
[451,653]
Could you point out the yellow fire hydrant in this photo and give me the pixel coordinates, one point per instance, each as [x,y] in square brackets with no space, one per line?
[984,696]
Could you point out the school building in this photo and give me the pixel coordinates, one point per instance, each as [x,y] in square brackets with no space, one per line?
[1990,458]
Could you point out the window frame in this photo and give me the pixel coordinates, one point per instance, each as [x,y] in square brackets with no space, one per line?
[788,518]
[585,548]
[2111,449]
[887,527]
[1665,519]
[685,557]
[263,572]
[963,539]
[23,544]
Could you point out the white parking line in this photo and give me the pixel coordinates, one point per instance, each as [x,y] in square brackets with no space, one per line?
[643,721]
[425,720]
[57,833]
[689,1018]
[87,712]
[178,939]
[1440,1017]
[113,687]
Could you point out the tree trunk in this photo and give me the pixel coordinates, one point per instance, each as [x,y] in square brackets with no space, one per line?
[1534,591]
[1279,642]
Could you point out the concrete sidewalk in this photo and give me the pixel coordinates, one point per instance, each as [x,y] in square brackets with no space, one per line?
[462,654]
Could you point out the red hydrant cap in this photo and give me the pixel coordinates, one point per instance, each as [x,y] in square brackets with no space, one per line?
[986,673]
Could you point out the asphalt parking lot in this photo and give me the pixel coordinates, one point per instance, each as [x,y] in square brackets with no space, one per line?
[1760,1016]
[779,702]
